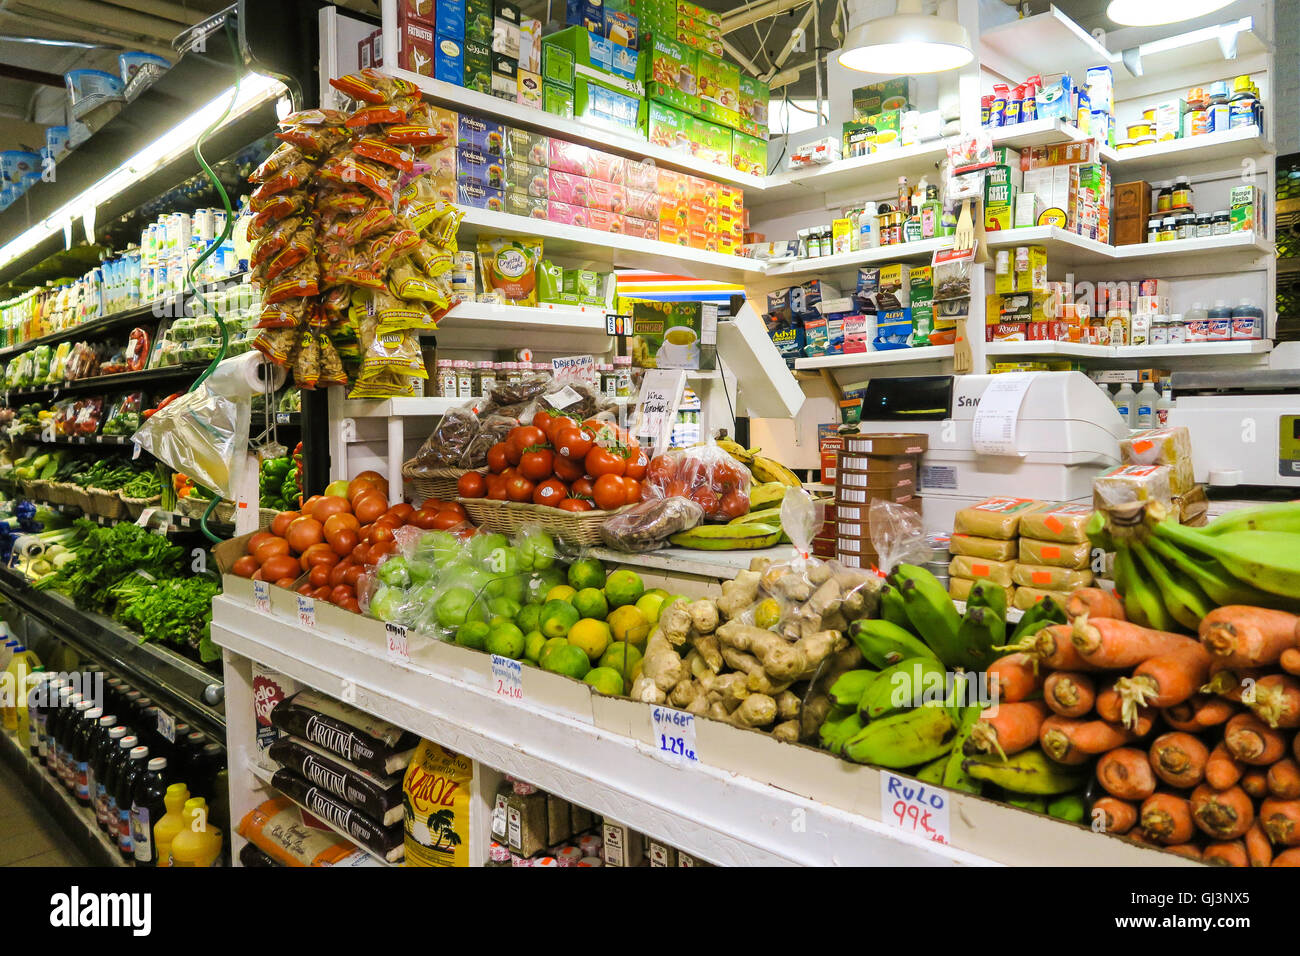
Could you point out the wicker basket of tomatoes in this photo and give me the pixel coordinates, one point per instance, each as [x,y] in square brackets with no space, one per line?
[438,484]
[557,473]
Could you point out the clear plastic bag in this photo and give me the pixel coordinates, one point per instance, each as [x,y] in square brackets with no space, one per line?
[705,474]
[449,441]
[647,525]
[201,434]
[896,535]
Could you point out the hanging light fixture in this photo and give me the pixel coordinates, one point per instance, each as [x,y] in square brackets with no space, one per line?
[1149,13]
[908,42]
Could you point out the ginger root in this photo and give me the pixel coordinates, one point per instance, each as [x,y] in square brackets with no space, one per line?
[787,730]
[704,615]
[739,593]
[662,664]
[675,623]
[787,705]
[781,660]
[756,710]
[707,646]
[684,694]
[718,712]
[731,689]
[647,691]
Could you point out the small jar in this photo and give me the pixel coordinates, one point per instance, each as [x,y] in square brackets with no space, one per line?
[446,378]
[1182,194]
[1186,225]
[486,379]
[1177,329]
[1139,330]
[1164,196]
[1153,230]
[1204,226]
[623,376]
[608,381]
[465,379]
[1160,330]
[514,374]
[803,244]
[1168,229]
[1221,225]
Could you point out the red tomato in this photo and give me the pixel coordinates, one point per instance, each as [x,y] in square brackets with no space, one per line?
[601,461]
[245,567]
[637,463]
[424,519]
[633,489]
[257,539]
[543,421]
[550,492]
[340,522]
[350,604]
[455,506]
[361,554]
[329,505]
[257,575]
[497,491]
[279,567]
[305,589]
[661,470]
[536,465]
[353,574]
[318,554]
[610,493]
[574,504]
[524,437]
[344,541]
[392,522]
[337,572]
[318,576]
[471,485]
[558,424]
[496,458]
[401,511]
[303,533]
[519,488]
[340,593]
[583,488]
[568,469]
[280,523]
[572,442]
[733,505]
[705,498]
[270,548]
[322,593]
[369,506]
[448,519]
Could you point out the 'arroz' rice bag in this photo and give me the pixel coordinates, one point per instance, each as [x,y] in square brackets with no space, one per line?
[996,517]
[1049,578]
[1063,522]
[1026,598]
[1057,554]
[437,787]
[1127,484]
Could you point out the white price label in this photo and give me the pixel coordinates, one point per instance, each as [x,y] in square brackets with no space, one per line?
[917,808]
[143,520]
[262,596]
[507,677]
[167,727]
[283,418]
[399,650]
[136,453]
[306,611]
[674,733]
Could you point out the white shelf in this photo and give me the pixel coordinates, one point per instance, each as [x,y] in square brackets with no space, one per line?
[1210,255]
[264,777]
[1060,349]
[920,251]
[1045,43]
[1128,352]
[473,316]
[723,565]
[925,353]
[1141,161]
[1195,51]
[1041,132]
[872,175]
[397,407]
[613,249]
[515,114]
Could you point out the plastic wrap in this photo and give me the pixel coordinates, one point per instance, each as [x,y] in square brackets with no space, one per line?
[992,549]
[1132,484]
[647,525]
[1057,554]
[896,535]
[1063,522]
[997,517]
[708,476]
[1026,597]
[1171,446]
[979,569]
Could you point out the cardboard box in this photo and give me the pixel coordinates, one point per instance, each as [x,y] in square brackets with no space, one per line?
[669,72]
[710,142]
[478,196]
[524,177]
[668,127]
[754,100]
[418,52]
[479,21]
[526,146]
[476,166]
[872,99]
[478,66]
[528,89]
[557,100]
[525,204]
[601,105]
[566,214]
[672,334]
[557,65]
[530,45]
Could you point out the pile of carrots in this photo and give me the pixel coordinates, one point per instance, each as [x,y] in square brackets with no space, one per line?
[1194,739]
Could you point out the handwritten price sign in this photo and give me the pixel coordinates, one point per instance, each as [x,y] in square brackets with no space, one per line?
[262,596]
[674,735]
[306,611]
[507,677]
[399,651]
[915,807]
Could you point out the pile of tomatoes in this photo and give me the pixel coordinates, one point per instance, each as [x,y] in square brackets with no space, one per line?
[563,463]
[708,476]
[335,540]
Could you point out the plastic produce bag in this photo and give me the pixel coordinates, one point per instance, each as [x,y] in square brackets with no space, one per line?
[707,475]
[449,442]
[647,525]
[896,535]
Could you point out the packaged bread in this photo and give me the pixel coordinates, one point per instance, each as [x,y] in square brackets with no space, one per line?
[1128,484]
[1055,554]
[997,517]
[959,590]
[992,549]
[981,569]
[1170,446]
[1060,522]
[1026,598]
[1050,578]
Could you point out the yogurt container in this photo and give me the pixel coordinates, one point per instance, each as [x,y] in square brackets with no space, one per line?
[17,164]
[90,89]
[135,61]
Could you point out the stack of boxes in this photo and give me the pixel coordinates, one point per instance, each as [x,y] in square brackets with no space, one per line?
[482,45]
[700,213]
[589,76]
[872,467]
[1054,555]
[1063,186]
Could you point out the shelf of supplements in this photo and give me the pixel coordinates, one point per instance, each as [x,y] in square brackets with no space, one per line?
[919,252]
[184,687]
[925,353]
[77,823]
[613,249]
[1129,353]
[516,114]
[165,307]
[732,806]
[109,383]
[1140,162]
[1045,43]
[1207,255]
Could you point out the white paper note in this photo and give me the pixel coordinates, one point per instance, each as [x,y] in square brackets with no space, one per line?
[993,430]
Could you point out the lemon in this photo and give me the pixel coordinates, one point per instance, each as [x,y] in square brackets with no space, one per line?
[605,680]
[629,624]
[591,635]
[533,643]
[586,573]
[590,602]
[651,605]
[623,587]
[556,618]
[768,614]
[561,592]
[621,657]
[505,640]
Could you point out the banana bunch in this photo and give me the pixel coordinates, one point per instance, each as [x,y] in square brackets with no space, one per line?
[1171,576]
[763,469]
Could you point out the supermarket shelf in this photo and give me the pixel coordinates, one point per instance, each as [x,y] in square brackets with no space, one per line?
[264,778]
[1195,51]
[871,174]
[79,440]
[1060,349]
[709,564]
[921,251]
[109,383]
[1129,352]
[479,325]
[1048,42]
[76,822]
[926,353]
[1212,255]
[177,682]
[161,522]
[397,407]
[1042,132]
[611,248]
[1209,147]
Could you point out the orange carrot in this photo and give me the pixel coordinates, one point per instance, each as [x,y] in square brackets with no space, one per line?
[1071,740]
[1094,602]
[1163,680]
[1258,848]
[1277,700]
[1281,821]
[1287,858]
[1179,759]
[1069,693]
[1109,704]
[1290,660]
[1255,782]
[1189,850]
[1222,769]
[1054,648]
[1197,713]
[1117,816]
[1006,729]
[1213,711]
[1119,645]
[1126,773]
[1013,678]
[1167,818]
[1284,779]
[1223,814]
[1231,682]
[1252,741]
[1226,853]
[1244,636]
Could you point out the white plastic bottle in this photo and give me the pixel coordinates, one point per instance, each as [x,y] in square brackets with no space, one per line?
[1163,404]
[1197,321]
[1147,400]
[868,233]
[1126,404]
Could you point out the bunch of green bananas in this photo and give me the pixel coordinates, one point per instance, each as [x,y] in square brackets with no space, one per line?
[1171,576]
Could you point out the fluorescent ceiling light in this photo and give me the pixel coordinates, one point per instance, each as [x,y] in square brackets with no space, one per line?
[909,42]
[254,89]
[1147,13]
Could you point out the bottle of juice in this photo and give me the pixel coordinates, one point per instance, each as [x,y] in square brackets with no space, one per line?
[26,694]
[41,719]
[148,806]
[97,740]
[113,768]
[199,842]
[58,708]
[22,663]
[136,765]
[166,829]
[103,763]
[67,740]
[81,754]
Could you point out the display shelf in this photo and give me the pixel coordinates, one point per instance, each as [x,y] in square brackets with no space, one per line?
[614,249]
[473,325]
[871,174]
[1195,51]
[1210,255]
[1209,147]
[82,440]
[1129,352]
[1041,132]
[178,683]
[160,521]
[918,252]
[925,353]
[78,823]
[1045,43]
[1062,349]
[109,383]
[413,406]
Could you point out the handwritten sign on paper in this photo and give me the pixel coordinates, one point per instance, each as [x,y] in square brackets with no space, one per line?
[399,650]
[657,405]
[575,368]
[674,735]
[507,677]
[917,808]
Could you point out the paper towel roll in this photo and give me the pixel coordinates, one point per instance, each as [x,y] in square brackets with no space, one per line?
[245,376]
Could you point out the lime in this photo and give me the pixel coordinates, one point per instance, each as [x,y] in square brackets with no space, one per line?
[658,592]
[623,587]
[503,607]
[586,573]
[621,656]
[541,582]
[505,640]
[606,680]
[528,617]
[556,618]
[561,592]
[549,647]
[629,625]
[651,605]
[512,586]
[472,634]
[567,660]
[590,602]
[456,606]
[591,635]
[533,643]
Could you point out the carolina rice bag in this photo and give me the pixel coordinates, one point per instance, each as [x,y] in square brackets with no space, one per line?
[278,829]
[991,549]
[979,569]
[1050,578]
[996,517]
[370,743]
[384,842]
[379,798]
[1057,554]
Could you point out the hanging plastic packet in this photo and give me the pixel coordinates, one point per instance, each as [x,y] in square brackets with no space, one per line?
[282,157]
[298,282]
[373,221]
[289,314]
[897,535]
[342,202]
[276,239]
[276,208]
[382,151]
[371,86]
[295,251]
[394,314]
[283,181]
[406,282]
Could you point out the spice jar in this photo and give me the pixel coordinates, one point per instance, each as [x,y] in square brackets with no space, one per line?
[447,385]
[465,379]
[623,376]
[487,378]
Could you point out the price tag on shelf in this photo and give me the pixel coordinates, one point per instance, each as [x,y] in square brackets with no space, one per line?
[262,596]
[283,418]
[674,733]
[916,808]
[166,726]
[507,677]
[306,611]
[399,651]
[143,522]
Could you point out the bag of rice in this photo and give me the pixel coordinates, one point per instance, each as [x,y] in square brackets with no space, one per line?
[959,589]
[278,829]
[370,743]
[980,569]
[1026,598]
[991,549]
[1055,553]
[1063,522]
[996,517]
[437,788]
[1050,578]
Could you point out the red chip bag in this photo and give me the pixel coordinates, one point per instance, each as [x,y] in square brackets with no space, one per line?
[355,171]
[372,86]
[295,251]
[414,134]
[314,117]
[283,315]
[374,147]
[299,282]
[283,157]
[313,140]
[284,181]
[343,202]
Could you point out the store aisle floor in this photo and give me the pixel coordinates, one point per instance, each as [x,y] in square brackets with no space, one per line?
[28,835]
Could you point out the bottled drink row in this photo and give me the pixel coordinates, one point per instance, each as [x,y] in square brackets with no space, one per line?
[157,798]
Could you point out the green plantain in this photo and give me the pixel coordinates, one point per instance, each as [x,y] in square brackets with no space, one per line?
[1028,772]
[1269,560]
[1183,598]
[903,740]
[892,607]
[902,686]
[930,610]
[1219,586]
[884,643]
[847,689]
